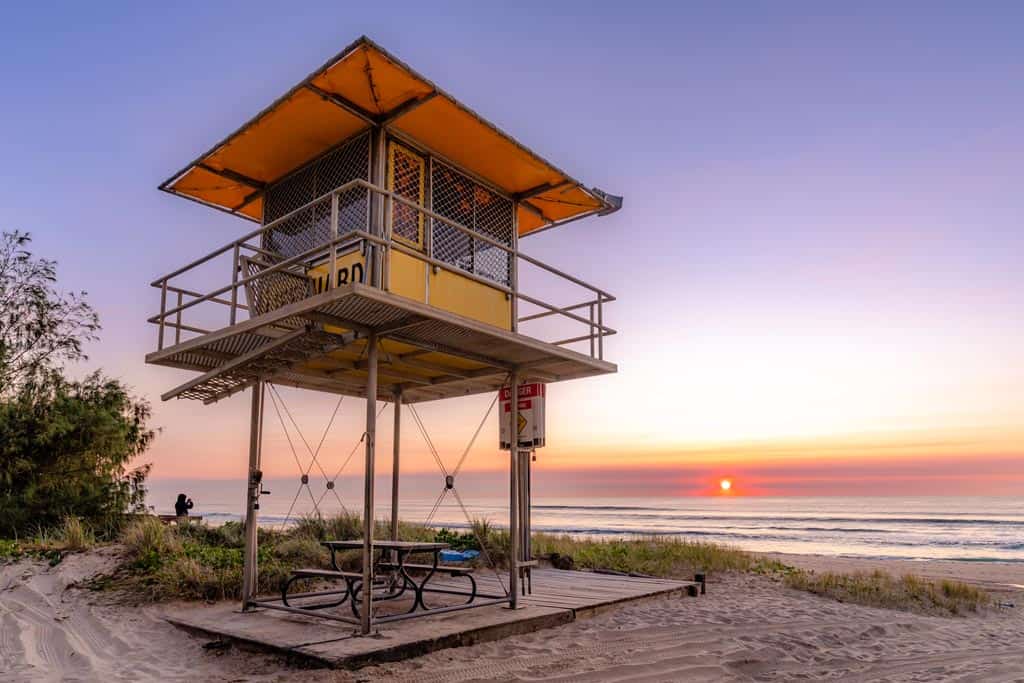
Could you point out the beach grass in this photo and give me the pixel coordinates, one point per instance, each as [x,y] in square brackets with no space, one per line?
[200,562]
[657,556]
[881,589]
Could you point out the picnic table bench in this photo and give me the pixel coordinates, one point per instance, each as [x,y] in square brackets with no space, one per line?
[391,576]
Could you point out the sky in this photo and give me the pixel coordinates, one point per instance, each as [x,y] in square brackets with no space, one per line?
[818,266]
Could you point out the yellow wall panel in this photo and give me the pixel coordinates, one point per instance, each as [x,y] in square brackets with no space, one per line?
[448,291]
[469,298]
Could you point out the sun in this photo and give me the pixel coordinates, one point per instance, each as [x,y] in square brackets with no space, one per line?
[725,485]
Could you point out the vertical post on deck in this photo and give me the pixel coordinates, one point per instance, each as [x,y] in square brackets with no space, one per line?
[163,315]
[368,476]
[524,517]
[250,568]
[235,265]
[513,506]
[529,521]
[378,177]
[394,464]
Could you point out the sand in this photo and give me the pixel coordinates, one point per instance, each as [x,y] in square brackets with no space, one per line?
[746,628]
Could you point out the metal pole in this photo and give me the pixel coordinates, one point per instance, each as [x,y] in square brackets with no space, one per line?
[513,274]
[592,330]
[177,321]
[394,464]
[163,310]
[378,178]
[529,522]
[334,248]
[371,437]
[524,539]
[250,569]
[234,288]
[524,507]
[513,507]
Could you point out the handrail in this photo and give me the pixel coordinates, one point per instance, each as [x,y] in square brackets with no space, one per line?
[274,268]
[269,226]
[596,328]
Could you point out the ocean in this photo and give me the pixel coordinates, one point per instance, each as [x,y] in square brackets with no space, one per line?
[922,528]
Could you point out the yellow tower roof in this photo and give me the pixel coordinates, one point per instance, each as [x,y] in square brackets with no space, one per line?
[362,87]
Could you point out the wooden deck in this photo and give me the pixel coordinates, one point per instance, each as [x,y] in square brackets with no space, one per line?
[559,597]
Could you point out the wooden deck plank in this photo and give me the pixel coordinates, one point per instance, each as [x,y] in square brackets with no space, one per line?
[558,598]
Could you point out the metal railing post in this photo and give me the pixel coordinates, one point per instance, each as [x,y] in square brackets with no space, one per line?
[234,286]
[177,321]
[334,247]
[592,329]
[600,326]
[389,207]
[163,309]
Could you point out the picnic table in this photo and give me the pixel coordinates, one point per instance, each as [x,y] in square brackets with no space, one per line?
[391,574]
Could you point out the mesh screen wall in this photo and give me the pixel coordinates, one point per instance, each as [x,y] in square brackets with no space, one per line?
[463,200]
[312,226]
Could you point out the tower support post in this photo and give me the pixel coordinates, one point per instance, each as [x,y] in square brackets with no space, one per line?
[366,614]
[250,570]
[513,493]
[396,453]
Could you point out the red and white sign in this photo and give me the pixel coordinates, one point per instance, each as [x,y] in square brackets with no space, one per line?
[531,416]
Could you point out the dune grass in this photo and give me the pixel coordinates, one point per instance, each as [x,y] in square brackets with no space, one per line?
[72,535]
[881,589]
[657,556]
[200,562]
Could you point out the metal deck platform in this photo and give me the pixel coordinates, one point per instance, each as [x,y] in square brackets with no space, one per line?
[318,343]
[559,597]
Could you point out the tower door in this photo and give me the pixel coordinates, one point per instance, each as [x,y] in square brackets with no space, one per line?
[406,179]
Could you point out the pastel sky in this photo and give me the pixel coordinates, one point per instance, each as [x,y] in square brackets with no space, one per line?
[818,266]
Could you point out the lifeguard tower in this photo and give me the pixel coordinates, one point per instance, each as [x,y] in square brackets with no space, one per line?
[385,264]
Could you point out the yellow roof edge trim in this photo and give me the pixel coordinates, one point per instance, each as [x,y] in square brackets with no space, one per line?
[586,201]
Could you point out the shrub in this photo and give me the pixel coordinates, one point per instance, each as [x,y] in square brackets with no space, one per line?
[150,542]
[74,534]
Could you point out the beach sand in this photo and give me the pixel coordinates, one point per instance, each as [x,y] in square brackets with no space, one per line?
[745,628]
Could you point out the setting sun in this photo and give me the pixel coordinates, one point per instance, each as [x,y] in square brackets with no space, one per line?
[725,484]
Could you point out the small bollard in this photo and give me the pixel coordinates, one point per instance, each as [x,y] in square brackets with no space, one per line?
[691,591]
[702,580]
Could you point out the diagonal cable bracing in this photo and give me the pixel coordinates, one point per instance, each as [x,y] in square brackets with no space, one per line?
[349,458]
[314,454]
[449,478]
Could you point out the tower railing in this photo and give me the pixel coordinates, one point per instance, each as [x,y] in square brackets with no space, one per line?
[191,311]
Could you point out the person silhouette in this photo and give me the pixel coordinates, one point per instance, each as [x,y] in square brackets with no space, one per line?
[182,505]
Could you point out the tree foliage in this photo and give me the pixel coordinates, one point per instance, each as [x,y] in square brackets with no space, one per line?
[66,446]
[66,449]
[40,327]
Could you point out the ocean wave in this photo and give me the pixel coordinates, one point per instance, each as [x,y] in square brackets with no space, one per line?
[762,518]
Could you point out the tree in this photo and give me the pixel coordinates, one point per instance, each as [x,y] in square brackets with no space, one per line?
[40,327]
[66,446]
[65,450]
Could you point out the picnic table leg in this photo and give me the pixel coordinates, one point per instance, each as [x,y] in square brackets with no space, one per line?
[418,588]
